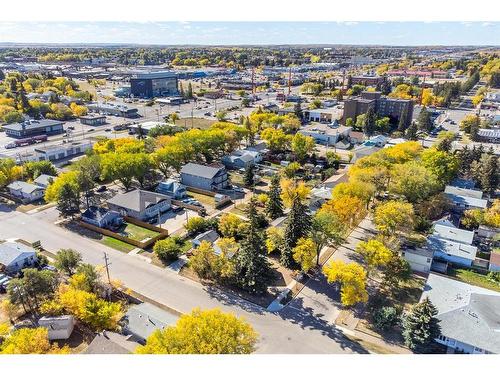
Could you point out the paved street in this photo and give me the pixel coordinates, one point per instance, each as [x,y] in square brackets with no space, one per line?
[296,329]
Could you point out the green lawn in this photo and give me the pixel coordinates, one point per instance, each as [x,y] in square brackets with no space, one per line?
[474,278]
[136,232]
[205,200]
[117,244]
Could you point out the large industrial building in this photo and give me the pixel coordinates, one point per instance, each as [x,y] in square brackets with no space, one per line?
[31,128]
[382,105]
[154,84]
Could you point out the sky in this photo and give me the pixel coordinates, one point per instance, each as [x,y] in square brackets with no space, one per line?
[256,33]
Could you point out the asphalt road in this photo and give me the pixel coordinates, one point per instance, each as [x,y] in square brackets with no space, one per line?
[296,329]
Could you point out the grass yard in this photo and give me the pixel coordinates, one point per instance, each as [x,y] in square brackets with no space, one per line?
[474,278]
[236,178]
[116,244]
[205,200]
[136,232]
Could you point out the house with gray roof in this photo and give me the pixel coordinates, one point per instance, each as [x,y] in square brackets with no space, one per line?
[463,202]
[451,251]
[140,321]
[473,193]
[31,128]
[172,188]
[26,192]
[209,236]
[469,315]
[453,234]
[140,204]
[44,180]
[101,217]
[242,159]
[204,177]
[15,256]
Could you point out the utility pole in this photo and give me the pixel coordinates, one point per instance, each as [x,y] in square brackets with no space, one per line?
[107,264]
[289,80]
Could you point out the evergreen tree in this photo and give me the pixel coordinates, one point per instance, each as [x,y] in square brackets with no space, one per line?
[420,326]
[424,120]
[402,126]
[298,224]
[298,110]
[181,90]
[411,132]
[249,176]
[274,207]
[2,75]
[489,173]
[189,93]
[252,267]
[474,130]
[68,201]
[250,132]
[349,81]
[369,123]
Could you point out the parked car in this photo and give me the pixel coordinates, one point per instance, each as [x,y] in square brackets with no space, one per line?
[90,130]
[102,189]
[107,130]
[177,209]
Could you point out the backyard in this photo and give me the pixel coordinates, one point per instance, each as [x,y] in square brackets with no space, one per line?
[136,232]
[474,278]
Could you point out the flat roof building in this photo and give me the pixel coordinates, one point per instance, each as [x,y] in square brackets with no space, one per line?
[152,84]
[31,128]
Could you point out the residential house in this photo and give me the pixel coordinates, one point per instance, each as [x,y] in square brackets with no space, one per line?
[322,115]
[101,217]
[469,316]
[454,252]
[44,180]
[419,259]
[14,256]
[319,196]
[26,192]
[111,343]
[453,234]
[59,327]
[140,204]
[204,177]
[140,321]
[494,264]
[463,202]
[242,159]
[208,236]
[172,188]
[464,192]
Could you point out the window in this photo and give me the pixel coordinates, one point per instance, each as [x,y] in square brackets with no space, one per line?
[428,260]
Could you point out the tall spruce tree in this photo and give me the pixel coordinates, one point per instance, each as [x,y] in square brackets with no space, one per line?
[403,119]
[411,132]
[298,224]
[420,326]
[424,120]
[369,123]
[252,267]
[489,174]
[249,177]
[274,206]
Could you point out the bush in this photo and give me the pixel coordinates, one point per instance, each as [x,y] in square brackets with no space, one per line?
[385,318]
[169,249]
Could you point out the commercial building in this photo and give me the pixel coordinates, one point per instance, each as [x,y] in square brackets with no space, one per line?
[468,315]
[63,151]
[367,80]
[152,84]
[324,115]
[31,128]
[113,110]
[327,134]
[489,135]
[382,105]
[93,120]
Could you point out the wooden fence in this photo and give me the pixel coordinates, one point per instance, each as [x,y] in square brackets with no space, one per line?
[162,233]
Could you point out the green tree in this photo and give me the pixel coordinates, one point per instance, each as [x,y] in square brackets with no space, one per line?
[274,206]
[489,173]
[326,230]
[203,332]
[68,200]
[297,226]
[34,169]
[252,267]
[396,271]
[420,326]
[424,120]
[249,176]
[411,132]
[369,122]
[302,146]
[169,249]
[67,261]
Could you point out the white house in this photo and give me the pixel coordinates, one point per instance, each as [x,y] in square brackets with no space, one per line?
[26,192]
[469,315]
[15,256]
[420,259]
[326,134]
[454,234]
[59,327]
[44,180]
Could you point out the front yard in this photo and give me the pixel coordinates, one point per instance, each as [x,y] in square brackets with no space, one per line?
[116,244]
[136,232]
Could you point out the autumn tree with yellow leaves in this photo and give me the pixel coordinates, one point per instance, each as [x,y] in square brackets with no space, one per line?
[352,280]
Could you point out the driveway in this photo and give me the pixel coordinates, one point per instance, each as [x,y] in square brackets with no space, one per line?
[298,329]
